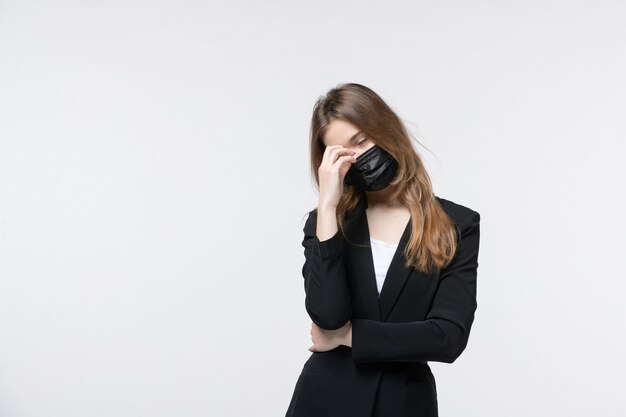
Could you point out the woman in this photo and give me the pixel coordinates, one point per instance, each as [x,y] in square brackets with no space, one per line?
[390,269]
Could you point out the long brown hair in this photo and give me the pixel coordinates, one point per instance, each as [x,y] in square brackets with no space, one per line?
[433,239]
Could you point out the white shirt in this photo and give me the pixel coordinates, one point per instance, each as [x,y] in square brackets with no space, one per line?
[382,253]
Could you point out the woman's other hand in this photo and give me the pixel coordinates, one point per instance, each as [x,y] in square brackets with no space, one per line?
[325,340]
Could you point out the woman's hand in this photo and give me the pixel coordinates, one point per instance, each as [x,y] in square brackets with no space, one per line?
[324,340]
[335,164]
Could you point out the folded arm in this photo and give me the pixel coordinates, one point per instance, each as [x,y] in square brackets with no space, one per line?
[327,298]
[444,334]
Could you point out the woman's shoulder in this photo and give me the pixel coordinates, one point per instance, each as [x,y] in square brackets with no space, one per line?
[458,213]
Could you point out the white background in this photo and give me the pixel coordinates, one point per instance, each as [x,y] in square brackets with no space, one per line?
[154,177]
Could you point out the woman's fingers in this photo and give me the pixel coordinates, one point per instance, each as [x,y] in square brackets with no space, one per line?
[329,153]
[313,328]
[332,153]
[341,160]
[331,172]
[335,163]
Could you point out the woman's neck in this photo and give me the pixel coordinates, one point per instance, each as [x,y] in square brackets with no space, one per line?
[382,197]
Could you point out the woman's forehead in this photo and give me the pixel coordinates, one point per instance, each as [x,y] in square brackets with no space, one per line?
[341,132]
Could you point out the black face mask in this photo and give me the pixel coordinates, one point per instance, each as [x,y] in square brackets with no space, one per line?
[373,170]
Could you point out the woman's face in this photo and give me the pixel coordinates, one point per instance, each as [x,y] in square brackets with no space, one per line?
[341,132]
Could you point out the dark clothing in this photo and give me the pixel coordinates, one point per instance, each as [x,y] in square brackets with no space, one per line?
[418,318]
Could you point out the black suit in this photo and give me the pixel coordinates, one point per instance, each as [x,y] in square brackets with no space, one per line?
[418,318]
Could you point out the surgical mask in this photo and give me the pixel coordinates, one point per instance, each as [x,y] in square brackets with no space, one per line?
[373,170]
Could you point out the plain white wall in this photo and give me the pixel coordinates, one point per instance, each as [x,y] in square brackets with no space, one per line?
[154,177]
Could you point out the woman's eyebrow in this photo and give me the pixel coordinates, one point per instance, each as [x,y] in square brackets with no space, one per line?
[353,138]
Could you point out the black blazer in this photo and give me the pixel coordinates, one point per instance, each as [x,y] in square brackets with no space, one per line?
[418,318]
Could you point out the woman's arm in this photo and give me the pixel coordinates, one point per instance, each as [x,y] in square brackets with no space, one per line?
[327,299]
[444,334]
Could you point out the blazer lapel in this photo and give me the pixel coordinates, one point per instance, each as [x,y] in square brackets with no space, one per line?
[377,308]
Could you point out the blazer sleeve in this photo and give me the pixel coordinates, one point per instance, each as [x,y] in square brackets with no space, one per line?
[327,295]
[444,334]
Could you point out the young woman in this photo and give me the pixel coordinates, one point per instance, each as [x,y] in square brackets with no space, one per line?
[390,269]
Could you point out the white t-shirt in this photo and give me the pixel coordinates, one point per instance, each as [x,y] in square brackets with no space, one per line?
[382,253]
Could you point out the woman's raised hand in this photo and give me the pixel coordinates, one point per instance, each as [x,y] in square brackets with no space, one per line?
[335,164]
